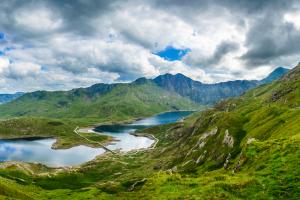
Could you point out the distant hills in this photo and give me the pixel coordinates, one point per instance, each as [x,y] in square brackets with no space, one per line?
[241,148]
[101,101]
[121,101]
[4,98]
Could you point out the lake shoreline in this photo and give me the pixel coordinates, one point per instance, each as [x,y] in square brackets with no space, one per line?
[115,143]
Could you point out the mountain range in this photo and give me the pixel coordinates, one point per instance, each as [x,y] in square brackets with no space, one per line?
[5,98]
[245,147]
[209,94]
[142,97]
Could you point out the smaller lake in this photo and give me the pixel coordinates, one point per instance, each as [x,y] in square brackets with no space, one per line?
[126,141]
[39,150]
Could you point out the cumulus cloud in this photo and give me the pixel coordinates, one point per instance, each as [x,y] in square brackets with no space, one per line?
[53,44]
[20,70]
[197,59]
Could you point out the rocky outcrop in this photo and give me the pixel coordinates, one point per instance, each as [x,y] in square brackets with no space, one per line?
[250,140]
[201,141]
[228,139]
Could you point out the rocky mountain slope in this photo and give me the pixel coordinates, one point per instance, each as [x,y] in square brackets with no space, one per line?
[242,148]
[209,94]
[123,101]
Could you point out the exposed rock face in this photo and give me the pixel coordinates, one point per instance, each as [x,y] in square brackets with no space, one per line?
[250,140]
[201,142]
[206,94]
[227,161]
[209,133]
[209,94]
[228,139]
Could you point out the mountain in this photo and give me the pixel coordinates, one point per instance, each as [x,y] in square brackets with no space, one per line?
[256,137]
[101,101]
[277,73]
[4,98]
[126,100]
[209,94]
[242,148]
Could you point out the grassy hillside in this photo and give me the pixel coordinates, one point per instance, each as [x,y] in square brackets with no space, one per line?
[243,148]
[120,102]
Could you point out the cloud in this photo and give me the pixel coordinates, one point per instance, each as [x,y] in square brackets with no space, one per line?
[268,40]
[54,44]
[40,20]
[20,70]
[197,59]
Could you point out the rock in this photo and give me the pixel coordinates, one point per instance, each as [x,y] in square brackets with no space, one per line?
[187,162]
[200,143]
[250,140]
[227,161]
[174,169]
[201,157]
[228,139]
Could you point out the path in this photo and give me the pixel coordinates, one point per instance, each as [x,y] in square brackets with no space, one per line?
[102,145]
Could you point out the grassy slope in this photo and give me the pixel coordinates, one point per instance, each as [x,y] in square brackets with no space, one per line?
[183,166]
[267,168]
[125,101]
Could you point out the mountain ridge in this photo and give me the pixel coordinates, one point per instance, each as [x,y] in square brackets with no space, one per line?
[242,148]
[5,98]
[209,94]
[116,101]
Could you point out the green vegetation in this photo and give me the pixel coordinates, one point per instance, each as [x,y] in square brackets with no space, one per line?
[243,148]
[62,130]
[121,102]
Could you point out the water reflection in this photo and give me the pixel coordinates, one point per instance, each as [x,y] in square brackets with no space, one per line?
[39,150]
[126,141]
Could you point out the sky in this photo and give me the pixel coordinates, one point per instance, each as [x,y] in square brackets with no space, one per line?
[65,44]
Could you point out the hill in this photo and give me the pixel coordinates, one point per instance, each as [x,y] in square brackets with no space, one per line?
[242,148]
[142,97]
[101,101]
[4,98]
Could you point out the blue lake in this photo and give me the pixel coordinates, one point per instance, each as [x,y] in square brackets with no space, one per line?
[39,150]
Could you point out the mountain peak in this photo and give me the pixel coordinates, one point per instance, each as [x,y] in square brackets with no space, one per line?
[275,74]
[173,76]
[141,80]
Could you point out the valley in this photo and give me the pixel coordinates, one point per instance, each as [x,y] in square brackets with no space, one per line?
[244,147]
[149,100]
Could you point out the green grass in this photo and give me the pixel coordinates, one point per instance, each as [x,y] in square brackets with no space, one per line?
[123,102]
[180,168]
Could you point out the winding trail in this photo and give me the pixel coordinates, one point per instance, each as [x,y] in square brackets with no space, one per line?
[156,141]
[102,145]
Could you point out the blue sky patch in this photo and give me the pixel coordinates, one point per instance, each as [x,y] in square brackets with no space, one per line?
[2,36]
[171,53]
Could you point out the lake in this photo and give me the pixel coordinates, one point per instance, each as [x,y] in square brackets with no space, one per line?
[39,150]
